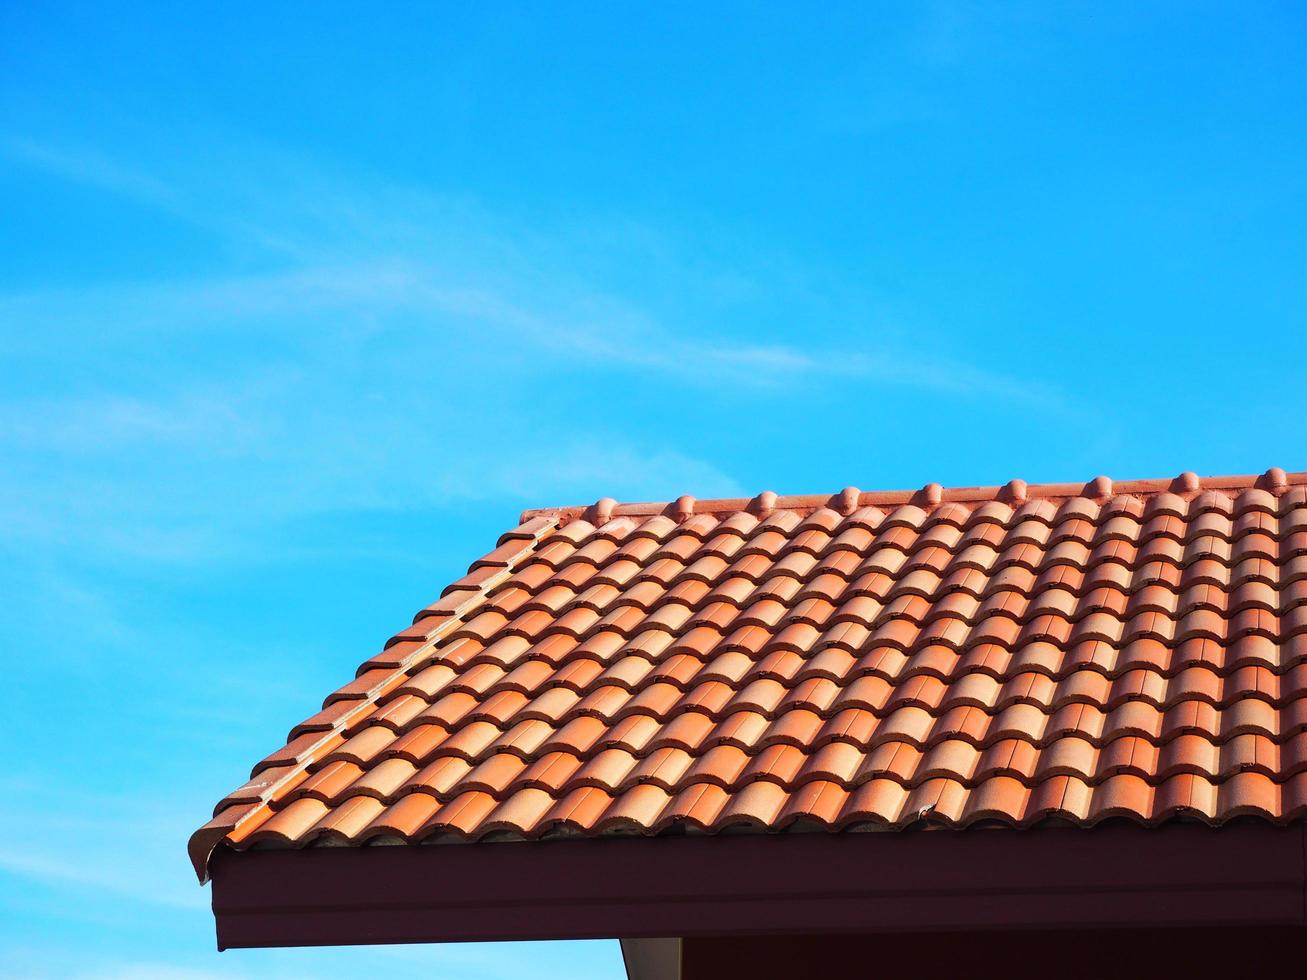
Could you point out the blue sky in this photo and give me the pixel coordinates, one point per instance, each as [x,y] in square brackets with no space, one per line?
[299,307]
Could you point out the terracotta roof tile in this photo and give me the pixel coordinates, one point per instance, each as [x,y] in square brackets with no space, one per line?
[1015,654]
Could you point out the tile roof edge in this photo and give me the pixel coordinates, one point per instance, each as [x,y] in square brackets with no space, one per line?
[204,841]
[1275,481]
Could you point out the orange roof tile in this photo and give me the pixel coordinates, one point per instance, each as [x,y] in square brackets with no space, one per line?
[1010,654]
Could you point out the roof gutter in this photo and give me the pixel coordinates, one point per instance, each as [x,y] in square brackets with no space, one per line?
[1110,876]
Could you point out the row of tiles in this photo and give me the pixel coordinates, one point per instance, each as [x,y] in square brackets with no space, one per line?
[1128,518]
[766,805]
[663,699]
[534,605]
[1162,587]
[373,741]
[914,623]
[1063,590]
[663,703]
[1216,670]
[640,544]
[1079,520]
[919,596]
[634,685]
[616,770]
[514,663]
[901,548]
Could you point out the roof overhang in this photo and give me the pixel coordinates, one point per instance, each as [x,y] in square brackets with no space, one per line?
[1108,877]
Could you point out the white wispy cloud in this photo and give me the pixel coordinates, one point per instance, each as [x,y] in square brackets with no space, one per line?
[384,292]
[108,425]
[405,250]
[106,848]
[618,337]
[87,166]
[91,874]
[155,478]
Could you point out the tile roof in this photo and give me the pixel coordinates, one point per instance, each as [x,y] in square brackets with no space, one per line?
[1009,654]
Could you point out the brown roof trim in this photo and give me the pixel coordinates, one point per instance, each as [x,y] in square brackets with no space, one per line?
[1112,876]
[1275,481]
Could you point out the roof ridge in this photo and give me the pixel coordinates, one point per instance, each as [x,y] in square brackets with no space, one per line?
[455,605]
[1274,481]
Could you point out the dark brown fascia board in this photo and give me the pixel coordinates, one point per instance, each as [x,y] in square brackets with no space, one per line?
[1111,876]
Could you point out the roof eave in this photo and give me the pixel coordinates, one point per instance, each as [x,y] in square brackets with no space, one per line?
[1106,877]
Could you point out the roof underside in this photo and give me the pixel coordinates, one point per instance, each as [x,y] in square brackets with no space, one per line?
[1012,655]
